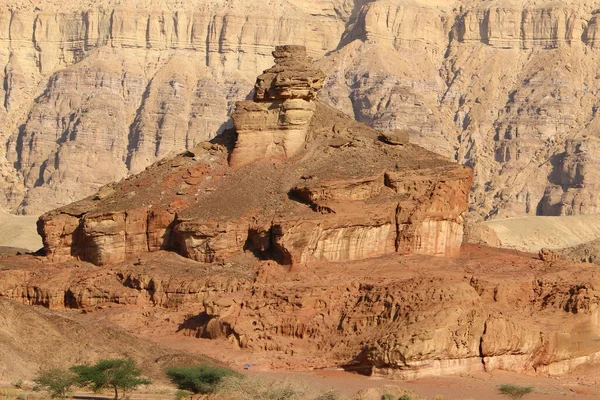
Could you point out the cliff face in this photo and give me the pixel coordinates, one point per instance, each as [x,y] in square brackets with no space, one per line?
[93,94]
[503,87]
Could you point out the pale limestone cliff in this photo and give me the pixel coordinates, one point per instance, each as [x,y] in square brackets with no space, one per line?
[501,86]
[92,93]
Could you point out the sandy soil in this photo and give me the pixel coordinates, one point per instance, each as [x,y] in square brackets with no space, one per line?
[19,231]
[533,233]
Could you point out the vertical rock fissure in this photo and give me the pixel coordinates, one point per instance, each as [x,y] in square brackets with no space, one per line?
[134,135]
[5,87]
[148,230]
[481,355]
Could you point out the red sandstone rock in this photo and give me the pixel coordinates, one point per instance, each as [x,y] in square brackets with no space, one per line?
[485,309]
[362,199]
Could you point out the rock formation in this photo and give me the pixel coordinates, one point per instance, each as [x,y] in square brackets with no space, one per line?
[318,250]
[93,92]
[361,199]
[483,310]
[275,123]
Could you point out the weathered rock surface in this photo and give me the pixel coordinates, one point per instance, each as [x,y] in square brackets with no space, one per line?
[93,92]
[322,256]
[586,252]
[275,123]
[312,202]
[508,88]
[484,310]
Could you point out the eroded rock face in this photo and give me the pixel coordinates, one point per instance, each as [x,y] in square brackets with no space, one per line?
[501,87]
[406,317]
[337,192]
[275,123]
[319,205]
[93,93]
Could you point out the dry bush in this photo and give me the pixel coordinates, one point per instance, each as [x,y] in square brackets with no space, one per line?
[235,388]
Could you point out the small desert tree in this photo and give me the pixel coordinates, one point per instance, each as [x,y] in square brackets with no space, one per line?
[514,391]
[57,382]
[120,375]
[201,378]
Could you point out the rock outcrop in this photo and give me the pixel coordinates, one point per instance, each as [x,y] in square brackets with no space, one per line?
[303,254]
[332,190]
[93,92]
[275,123]
[409,317]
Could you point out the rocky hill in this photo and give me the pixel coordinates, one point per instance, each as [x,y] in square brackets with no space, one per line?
[95,91]
[56,340]
[308,239]
[297,181]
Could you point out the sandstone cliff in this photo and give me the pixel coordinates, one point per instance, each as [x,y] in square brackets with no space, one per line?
[410,317]
[93,93]
[310,236]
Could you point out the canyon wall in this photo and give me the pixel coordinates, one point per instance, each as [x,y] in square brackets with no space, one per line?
[93,93]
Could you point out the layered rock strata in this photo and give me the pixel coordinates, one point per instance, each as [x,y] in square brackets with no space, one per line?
[341,192]
[499,86]
[275,123]
[107,89]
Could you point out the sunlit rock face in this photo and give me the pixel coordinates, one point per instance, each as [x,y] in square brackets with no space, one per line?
[291,186]
[92,94]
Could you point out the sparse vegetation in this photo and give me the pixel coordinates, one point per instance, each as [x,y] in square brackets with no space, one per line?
[17,384]
[405,397]
[57,382]
[331,395]
[514,391]
[120,375]
[202,379]
[244,388]
[182,394]
[388,396]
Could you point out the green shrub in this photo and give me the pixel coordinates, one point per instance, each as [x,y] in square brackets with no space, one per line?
[57,382]
[120,375]
[514,391]
[404,397]
[388,396]
[182,394]
[201,378]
